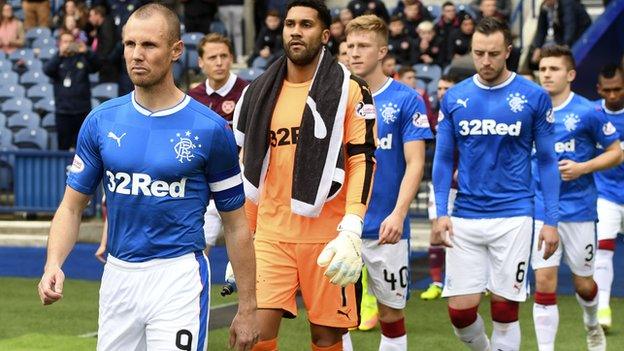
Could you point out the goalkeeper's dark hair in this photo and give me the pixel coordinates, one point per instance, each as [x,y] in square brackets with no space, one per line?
[318,5]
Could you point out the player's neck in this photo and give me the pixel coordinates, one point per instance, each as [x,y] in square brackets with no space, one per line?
[503,76]
[301,74]
[560,98]
[159,97]
[376,79]
[218,84]
[614,107]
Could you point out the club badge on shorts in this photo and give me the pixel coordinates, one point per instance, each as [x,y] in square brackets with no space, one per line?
[228,106]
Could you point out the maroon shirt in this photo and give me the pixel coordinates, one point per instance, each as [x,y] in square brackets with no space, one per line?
[223,100]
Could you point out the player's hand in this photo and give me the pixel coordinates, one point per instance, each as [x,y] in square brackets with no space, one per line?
[391,229]
[571,170]
[343,255]
[244,331]
[550,238]
[51,285]
[100,253]
[443,231]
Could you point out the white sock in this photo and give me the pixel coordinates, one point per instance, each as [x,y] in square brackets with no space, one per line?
[393,344]
[590,310]
[474,336]
[603,275]
[546,322]
[346,342]
[506,336]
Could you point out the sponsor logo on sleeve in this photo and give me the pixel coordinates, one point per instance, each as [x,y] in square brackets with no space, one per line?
[77,165]
[608,129]
[420,120]
[366,111]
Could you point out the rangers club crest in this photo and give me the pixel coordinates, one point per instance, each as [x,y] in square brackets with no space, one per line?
[570,121]
[516,102]
[228,106]
[389,111]
[184,147]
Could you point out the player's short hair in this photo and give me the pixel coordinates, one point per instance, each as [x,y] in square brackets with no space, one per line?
[447,3]
[214,38]
[405,70]
[491,25]
[609,71]
[559,51]
[172,20]
[318,5]
[369,23]
[425,25]
[449,77]
[99,9]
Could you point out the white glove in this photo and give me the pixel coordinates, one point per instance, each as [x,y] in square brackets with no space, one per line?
[229,272]
[344,254]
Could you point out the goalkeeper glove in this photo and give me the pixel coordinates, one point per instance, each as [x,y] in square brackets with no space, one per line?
[230,282]
[343,255]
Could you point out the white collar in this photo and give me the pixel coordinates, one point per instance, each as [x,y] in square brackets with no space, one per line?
[564,103]
[383,87]
[507,81]
[161,113]
[225,89]
[611,112]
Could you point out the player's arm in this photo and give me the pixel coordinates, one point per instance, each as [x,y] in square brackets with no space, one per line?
[391,228]
[442,174]
[100,253]
[63,235]
[612,156]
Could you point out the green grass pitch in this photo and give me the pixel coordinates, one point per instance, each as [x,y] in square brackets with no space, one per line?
[25,325]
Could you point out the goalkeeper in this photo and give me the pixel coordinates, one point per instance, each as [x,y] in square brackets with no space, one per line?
[307,132]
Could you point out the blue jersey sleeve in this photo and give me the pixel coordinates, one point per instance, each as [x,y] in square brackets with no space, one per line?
[603,131]
[443,160]
[223,171]
[415,125]
[547,161]
[86,170]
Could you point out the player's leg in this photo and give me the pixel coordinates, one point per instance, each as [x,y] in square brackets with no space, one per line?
[331,308]
[436,255]
[389,283]
[610,217]
[212,226]
[465,280]
[545,310]
[276,286]
[369,311]
[509,250]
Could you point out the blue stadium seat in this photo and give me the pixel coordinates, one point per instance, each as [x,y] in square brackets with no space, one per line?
[433,100]
[48,122]
[33,77]
[6,166]
[53,141]
[34,64]
[105,91]
[95,103]
[13,105]
[40,91]
[22,54]
[94,79]
[432,87]
[218,27]
[45,106]
[47,53]
[435,10]
[191,40]
[259,62]
[6,136]
[38,33]
[467,9]
[9,77]
[428,73]
[25,119]
[9,91]
[249,74]
[43,42]
[192,60]
[421,84]
[31,138]
[5,65]
[3,120]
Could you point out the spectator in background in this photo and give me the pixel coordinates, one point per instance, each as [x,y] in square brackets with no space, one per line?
[502,8]
[427,44]
[414,13]
[459,40]
[71,26]
[198,15]
[77,10]
[268,42]
[231,14]
[343,56]
[11,30]
[447,23]
[36,13]
[399,10]
[103,38]
[69,70]
[388,65]
[402,46]
[336,31]
[407,76]
[369,7]
[345,16]
[487,8]
[559,22]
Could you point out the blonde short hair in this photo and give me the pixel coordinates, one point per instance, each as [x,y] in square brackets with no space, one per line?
[369,23]
[424,26]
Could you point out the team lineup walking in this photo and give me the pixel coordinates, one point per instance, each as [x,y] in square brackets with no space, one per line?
[309,170]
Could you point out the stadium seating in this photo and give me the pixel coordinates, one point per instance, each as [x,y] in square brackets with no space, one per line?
[428,73]
[16,104]
[40,91]
[218,27]
[191,40]
[45,106]
[421,84]
[94,79]
[53,141]
[38,33]
[6,136]
[34,77]
[43,42]
[31,138]
[3,120]
[47,53]
[249,74]
[434,10]
[49,121]
[95,103]
[23,119]
[8,91]
[105,91]
[22,54]
[9,77]
[34,64]
[192,60]
[5,65]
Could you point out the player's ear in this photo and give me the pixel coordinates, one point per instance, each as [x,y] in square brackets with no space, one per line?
[325,36]
[383,51]
[177,50]
[509,47]
[571,75]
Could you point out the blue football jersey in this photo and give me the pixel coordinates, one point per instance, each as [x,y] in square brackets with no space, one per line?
[579,126]
[493,129]
[401,118]
[159,170]
[610,182]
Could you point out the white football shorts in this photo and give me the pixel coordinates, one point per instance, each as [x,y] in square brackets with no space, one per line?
[388,271]
[489,253]
[161,304]
[610,219]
